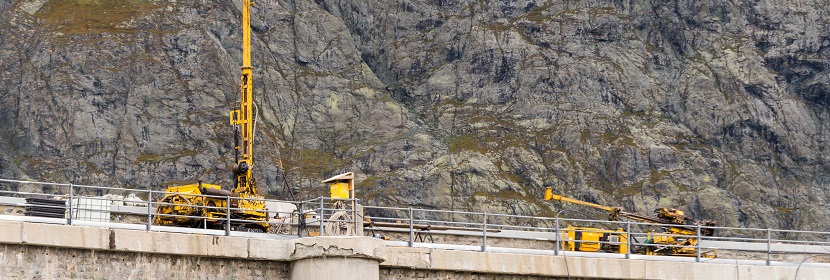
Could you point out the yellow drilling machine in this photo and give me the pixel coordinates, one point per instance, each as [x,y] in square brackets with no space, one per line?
[208,205]
[679,236]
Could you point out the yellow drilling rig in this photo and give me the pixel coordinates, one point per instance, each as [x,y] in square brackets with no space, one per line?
[208,205]
[680,236]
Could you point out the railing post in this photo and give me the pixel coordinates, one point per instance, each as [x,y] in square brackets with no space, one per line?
[558,236]
[697,244]
[71,197]
[627,239]
[320,218]
[228,216]
[300,220]
[411,233]
[484,234]
[149,209]
[769,246]
[355,217]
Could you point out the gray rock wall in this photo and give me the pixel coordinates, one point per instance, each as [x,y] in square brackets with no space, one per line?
[716,107]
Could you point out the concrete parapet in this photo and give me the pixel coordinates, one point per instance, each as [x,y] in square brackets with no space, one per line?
[10,232]
[90,248]
[63,236]
[308,258]
[178,243]
[266,249]
[423,259]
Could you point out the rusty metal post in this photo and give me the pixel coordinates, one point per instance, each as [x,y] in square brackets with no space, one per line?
[300,220]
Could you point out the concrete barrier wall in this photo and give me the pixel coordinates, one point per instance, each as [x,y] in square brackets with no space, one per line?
[19,261]
[33,250]
[47,251]
[448,263]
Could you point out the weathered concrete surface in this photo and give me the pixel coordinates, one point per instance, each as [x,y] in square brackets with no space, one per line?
[355,258]
[31,250]
[34,250]
[20,261]
[335,268]
[494,264]
[338,246]
[179,244]
[94,238]
[393,273]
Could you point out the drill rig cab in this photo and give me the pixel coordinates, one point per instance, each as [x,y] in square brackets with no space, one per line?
[204,204]
[679,236]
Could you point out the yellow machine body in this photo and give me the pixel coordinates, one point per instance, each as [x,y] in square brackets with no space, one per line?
[189,206]
[594,240]
[663,244]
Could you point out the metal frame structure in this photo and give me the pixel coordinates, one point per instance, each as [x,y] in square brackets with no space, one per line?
[460,230]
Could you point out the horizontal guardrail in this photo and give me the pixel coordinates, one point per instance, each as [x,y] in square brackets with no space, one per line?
[94,205]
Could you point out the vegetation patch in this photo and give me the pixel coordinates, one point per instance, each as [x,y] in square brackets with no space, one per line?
[317,161]
[92,16]
[535,15]
[156,158]
[152,158]
[467,142]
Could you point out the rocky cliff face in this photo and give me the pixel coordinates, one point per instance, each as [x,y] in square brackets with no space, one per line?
[720,108]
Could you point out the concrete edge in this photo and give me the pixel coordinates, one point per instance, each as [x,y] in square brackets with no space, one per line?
[582,267]
[153,242]
[338,246]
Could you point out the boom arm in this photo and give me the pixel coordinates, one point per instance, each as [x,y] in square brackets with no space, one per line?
[550,196]
[664,215]
[242,118]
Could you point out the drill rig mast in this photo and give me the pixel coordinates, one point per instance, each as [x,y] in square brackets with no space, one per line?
[188,206]
[242,118]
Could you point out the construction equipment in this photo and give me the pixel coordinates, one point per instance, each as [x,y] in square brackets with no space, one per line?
[680,236]
[247,207]
[594,240]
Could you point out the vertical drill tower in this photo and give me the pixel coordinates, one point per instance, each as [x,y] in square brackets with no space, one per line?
[242,118]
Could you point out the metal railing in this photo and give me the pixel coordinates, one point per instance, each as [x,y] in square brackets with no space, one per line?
[494,232]
[485,232]
[327,215]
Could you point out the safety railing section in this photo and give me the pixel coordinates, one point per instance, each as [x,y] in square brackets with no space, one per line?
[231,214]
[158,210]
[486,231]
